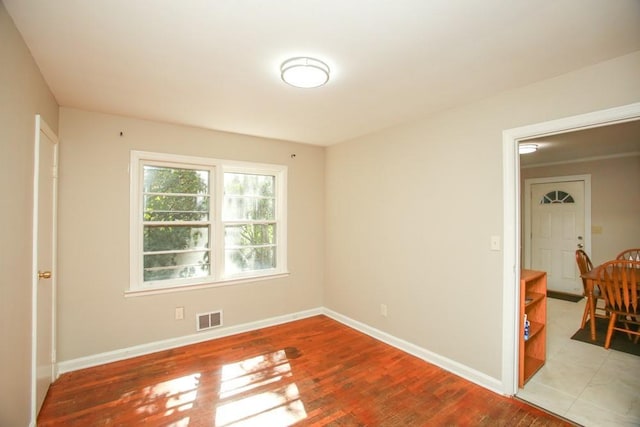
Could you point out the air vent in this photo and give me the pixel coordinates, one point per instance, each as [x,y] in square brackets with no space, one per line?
[209,320]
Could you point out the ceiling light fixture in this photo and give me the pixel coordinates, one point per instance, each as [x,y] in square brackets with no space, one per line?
[304,72]
[527,148]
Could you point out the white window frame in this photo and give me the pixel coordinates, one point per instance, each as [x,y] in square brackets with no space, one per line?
[218,168]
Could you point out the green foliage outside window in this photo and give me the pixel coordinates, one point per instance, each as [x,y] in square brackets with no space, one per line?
[173,196]
[250,199]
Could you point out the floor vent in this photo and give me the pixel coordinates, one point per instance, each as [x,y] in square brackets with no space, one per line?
[208,320]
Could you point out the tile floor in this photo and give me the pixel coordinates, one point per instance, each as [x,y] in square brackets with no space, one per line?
[582,382]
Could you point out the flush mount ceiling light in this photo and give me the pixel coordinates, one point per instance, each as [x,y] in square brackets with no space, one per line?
[304,72]
[527,148]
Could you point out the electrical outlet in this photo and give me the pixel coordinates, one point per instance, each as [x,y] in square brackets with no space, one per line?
[383,310]
[179,313]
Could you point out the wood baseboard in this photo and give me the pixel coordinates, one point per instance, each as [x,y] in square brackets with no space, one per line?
[143,349]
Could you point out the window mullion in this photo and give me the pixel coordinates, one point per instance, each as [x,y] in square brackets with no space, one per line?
[249,221]
[218,246]
[155,193]
[176,223]
[177,251]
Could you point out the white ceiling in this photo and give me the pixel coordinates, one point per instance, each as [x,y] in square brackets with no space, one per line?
[215,63]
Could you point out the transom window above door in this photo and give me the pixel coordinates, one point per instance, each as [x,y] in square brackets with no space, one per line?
[556,196]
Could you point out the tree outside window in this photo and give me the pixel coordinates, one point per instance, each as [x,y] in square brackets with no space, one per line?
[249,218]
[176,223]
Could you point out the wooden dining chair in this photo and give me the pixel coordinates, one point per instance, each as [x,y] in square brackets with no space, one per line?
[630,254]
[585,266]
[618,281]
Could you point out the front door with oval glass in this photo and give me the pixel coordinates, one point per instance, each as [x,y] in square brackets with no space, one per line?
[557,230]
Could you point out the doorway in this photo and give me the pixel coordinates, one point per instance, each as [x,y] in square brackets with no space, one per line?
[512,219]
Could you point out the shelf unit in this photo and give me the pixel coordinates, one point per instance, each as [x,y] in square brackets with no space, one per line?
[533,303]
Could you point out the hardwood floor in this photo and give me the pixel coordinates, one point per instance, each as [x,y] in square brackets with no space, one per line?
[310,372]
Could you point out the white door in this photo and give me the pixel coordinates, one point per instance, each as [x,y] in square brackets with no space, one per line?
[557,212]
[44,263]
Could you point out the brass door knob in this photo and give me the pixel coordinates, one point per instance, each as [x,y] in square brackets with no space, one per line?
[44,275]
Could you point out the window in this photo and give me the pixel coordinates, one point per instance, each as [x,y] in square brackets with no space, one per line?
[248,216]
[198,221]
[176,226]
[556,196]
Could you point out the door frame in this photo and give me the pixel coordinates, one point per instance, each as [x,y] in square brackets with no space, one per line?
[512,222]
[42,127]
[526,238]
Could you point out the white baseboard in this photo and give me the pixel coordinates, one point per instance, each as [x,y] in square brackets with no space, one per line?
[452,366]
[140,350]
[449,365]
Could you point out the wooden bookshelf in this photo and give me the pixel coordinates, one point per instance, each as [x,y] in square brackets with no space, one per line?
[533,303]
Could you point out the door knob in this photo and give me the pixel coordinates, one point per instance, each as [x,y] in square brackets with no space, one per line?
[580,245]
[44,275]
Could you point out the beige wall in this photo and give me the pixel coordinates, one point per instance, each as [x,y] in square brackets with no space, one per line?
[94,316]
[23,93]
[410,212]
[615,201]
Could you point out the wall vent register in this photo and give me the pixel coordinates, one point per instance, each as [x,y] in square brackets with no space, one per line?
[205,321]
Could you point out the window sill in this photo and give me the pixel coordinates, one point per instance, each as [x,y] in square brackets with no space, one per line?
[179,288]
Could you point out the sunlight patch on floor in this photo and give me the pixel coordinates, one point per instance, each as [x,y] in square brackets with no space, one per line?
[263,391]
[178,395]
[252,373]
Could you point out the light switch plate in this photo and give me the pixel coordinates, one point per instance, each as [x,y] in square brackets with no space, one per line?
[495,243]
